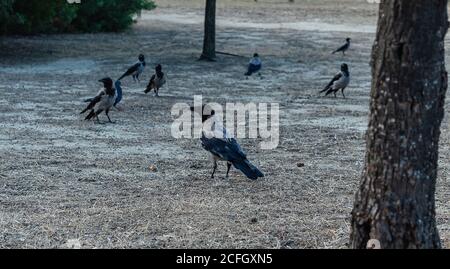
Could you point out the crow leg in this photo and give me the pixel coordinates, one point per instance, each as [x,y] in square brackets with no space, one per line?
[107,115]
[343,92]
[98,120]
[96,116]
[228,168]
[214,169]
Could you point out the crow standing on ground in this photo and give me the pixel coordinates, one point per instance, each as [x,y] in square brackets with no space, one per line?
[224,148]
[119,94]
[344,47]
[339,82]
[104,101]
[156,81]
[136,69]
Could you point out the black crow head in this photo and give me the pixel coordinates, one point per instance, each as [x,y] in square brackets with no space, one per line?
[256,55]
[141,57]
[158,68]
[107,82]
[344,67]
[205,114]
[348,39]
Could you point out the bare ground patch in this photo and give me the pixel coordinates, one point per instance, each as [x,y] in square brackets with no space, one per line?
[62,178]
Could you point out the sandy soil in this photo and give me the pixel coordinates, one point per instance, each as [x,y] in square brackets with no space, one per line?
[65,182]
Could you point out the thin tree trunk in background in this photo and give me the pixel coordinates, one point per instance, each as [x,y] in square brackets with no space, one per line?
[209,40]
[395,203]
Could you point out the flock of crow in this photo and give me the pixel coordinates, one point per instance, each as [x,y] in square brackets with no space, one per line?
[111,95]
[221,145]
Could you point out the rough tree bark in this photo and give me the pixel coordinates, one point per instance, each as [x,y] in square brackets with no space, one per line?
[209,39]
[395,203]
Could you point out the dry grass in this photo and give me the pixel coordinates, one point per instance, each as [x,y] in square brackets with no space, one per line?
[69,183]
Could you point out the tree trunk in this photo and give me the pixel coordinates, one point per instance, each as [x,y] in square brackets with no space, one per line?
[209,40]
[395,203]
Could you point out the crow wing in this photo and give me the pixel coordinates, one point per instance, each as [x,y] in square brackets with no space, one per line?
[90,99]
[227,149]
[342,48]
[93,102]
[131,70]
[151,84]
[161,80]
[336,78]
[152,79]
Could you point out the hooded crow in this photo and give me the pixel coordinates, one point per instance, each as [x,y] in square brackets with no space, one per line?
[344,47]
[104,100]
[254,65]
[119,95]
[156,81]
[225,148]
[136,69]
[339,82]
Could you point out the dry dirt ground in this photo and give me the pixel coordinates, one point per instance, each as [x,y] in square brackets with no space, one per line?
[65,182]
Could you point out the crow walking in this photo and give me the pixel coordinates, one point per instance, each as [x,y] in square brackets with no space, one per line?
[225,148]
[344,47]
[104,101]
[339,82]
[156,81]
[136,69]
